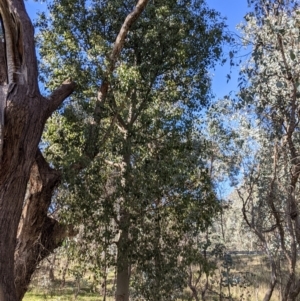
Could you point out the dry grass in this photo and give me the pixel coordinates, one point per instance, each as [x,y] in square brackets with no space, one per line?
[253,270]
[255,274]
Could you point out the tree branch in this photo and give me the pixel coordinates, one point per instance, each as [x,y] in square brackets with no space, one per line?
[104,87]
[118,46]
[59,95]
[130,19]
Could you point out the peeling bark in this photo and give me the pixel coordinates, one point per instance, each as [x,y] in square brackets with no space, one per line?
[38,235]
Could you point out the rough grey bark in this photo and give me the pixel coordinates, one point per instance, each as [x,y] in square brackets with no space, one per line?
[3,84]
[25,114]
[38,234]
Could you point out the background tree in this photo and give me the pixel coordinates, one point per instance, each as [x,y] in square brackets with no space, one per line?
[269,96]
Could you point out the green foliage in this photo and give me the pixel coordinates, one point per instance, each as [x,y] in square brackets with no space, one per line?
[135,163]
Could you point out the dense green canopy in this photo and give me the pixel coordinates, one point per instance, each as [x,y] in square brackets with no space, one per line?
[133,162]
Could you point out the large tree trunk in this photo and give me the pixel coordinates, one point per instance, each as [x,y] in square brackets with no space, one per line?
[38,235]
[21,137]
[24,112]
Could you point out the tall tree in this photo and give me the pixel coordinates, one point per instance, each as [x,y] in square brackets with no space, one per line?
[143,183]
[270,95]
[24,112]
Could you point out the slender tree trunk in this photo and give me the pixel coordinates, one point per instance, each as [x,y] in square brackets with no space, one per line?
[195,293]
[51,268]
[192,284]
[295,291]
[122,281]
[123,264]
[157,253]
[273,280]
[64,272]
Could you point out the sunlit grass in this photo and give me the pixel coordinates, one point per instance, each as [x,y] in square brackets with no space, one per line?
[33,296]
[256,266]
[68,293]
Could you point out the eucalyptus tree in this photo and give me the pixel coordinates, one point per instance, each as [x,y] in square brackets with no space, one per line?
[270,92]
[27,182]
[134,173]
[23,112]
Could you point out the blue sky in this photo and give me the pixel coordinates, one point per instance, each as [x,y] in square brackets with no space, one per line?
[234,11]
